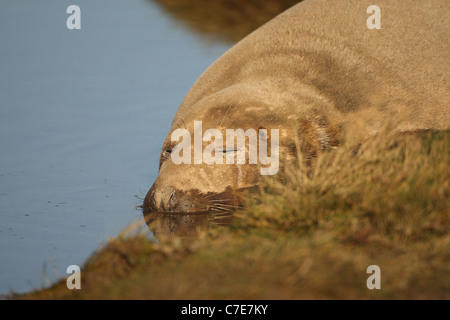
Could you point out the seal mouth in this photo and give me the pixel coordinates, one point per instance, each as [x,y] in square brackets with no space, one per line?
[169,200]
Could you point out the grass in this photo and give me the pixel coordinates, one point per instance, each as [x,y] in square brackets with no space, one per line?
[385,203]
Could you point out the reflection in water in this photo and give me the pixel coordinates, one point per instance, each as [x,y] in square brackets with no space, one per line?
[184,224]
[230,20]
[74,105]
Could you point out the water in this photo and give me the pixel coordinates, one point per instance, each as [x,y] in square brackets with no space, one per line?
[83,114]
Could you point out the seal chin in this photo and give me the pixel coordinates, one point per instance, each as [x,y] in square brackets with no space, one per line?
[170,200]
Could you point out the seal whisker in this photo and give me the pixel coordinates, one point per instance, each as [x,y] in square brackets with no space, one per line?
[225,115]
[210,196]
[220,207]
[222,215]
[231,122]
[220,200]
[229,205]
[223,209]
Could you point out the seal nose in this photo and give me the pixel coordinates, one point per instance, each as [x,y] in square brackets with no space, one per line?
[160,199]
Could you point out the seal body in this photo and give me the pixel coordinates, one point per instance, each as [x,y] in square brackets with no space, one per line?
[318,74]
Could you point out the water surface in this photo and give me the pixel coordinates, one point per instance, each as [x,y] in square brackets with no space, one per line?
[83,114]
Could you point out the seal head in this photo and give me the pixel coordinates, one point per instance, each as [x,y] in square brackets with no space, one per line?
[318,75]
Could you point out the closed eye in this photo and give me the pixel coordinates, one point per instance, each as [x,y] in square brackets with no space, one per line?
[164,156]
[226,150]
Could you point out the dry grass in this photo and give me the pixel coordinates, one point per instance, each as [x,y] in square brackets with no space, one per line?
[396,187]
[302,237]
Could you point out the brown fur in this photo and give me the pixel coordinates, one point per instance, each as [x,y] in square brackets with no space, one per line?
[317,73]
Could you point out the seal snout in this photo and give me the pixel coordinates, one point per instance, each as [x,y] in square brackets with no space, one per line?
[160,199]
[168,199]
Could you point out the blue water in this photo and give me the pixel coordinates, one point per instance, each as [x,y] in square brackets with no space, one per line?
[83,114]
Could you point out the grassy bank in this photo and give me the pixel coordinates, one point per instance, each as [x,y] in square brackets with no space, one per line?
[385,203]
